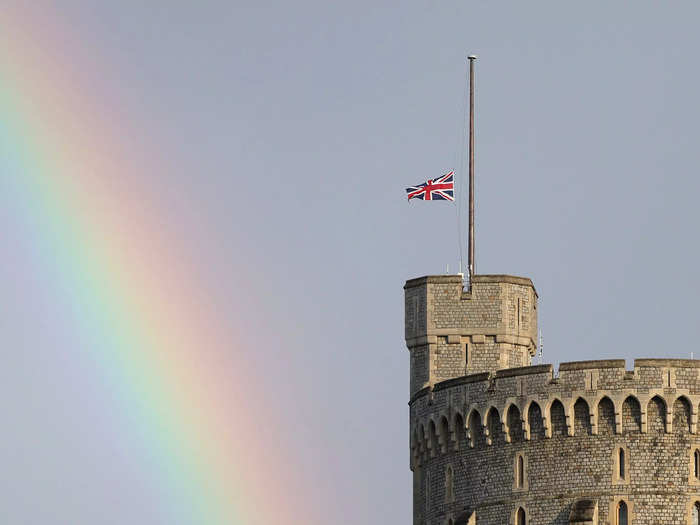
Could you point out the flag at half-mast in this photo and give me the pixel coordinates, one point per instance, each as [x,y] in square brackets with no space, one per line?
[440,189]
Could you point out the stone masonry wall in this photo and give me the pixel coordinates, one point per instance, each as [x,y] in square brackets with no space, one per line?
[452,332]
[467,433]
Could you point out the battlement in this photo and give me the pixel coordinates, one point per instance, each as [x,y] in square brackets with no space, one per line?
[607,374]
[570,430]
[487,404]
[452,332]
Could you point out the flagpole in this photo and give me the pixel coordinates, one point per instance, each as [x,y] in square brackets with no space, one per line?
[470,262]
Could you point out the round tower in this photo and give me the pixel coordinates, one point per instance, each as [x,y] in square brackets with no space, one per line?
[495,441]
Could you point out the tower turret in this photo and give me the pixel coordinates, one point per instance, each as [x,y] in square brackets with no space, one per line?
[451,332]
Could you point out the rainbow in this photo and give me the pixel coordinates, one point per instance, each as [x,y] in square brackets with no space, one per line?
[173,367]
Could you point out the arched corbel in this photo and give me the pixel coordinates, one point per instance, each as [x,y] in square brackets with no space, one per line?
[526,430]
[471,438]
[593,411]
[546,422]
[485,425]
[693,418]
[569,417]
[592,415]
[415,453]
[643,404]
[617,408]
[454,434]
[421,450]
[524,417]
[429,451]
[504,427]
[443,438]
[504,420]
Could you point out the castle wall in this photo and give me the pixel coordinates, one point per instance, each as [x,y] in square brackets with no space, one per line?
[569,431]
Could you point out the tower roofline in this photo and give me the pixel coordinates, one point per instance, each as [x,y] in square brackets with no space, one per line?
[450,279]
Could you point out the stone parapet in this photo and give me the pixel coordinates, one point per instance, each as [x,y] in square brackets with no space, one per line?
[568,429]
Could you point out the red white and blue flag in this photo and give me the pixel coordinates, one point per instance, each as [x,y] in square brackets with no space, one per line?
[440,189]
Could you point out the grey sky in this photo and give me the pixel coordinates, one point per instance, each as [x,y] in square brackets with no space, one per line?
[294,128]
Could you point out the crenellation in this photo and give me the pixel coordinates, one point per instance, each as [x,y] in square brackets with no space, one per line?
[651,377]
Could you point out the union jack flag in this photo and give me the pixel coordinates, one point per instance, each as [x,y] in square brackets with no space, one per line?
[440,189]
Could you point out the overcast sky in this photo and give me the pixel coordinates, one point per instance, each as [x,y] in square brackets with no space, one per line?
[292,129]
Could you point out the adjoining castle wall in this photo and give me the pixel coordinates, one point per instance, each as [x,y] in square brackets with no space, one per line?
[471,435]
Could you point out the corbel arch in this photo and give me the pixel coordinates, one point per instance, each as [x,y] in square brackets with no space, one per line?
[631,414]
[444,438]
[433,447]
[547,416]
[517,420]
[643,405]
[423,441]
[525,415]
[592,403]
[546,419]
[415,448]
[475,429]
[693,413]
[471,411]
[682,402]
[581,416]
[594,406]
[535,422]
[604,403]
[459,427]
[657,409]
[494,425]
[484,415]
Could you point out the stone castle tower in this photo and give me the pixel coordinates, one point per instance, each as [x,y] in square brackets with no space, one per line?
[496,441]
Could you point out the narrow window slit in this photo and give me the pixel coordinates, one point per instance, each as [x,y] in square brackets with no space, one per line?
[621,462]
[521,472]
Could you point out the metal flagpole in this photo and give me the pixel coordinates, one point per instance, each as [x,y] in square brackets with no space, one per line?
[470,262]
